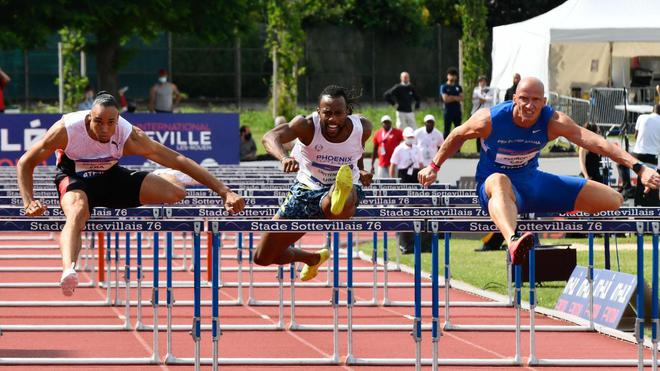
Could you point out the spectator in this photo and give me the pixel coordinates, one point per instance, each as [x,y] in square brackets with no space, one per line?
[385,141]
[590,161]
[452,95]
[288,146]
[402,95]
[406,158]
[647,147]
[482,97]
[429,139]
[88,100]
[512,90]
[123,103]
[164,96]
[248,146]
[4,80]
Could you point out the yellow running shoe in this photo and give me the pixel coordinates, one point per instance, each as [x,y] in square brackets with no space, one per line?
[343,188]
[309,272]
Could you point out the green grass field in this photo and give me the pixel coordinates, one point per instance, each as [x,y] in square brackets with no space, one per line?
[487,270]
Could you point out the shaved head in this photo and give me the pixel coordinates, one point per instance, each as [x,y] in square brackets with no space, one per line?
[528,101]
[531,83]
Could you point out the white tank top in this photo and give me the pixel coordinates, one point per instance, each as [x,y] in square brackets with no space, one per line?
[320,160]
[88,157]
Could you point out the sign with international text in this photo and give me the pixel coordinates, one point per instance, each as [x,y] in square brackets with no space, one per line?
[612,294]
[197,136]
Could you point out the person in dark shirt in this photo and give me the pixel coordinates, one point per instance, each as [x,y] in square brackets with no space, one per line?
[512,90]
[248,147]
[403,95]
[452,95]
[590,161]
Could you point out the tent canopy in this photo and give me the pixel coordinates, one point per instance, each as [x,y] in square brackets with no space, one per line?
[581,43]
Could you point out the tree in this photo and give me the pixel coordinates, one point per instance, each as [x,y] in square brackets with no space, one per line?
[501,12]
[475,35]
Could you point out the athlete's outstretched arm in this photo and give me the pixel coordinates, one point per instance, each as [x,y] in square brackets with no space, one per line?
[55,138]
[299,128]
[140,144]
[477,126]
[562,125]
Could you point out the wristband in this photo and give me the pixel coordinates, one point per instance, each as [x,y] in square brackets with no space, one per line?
[637,167]
[435,167]
[284,158]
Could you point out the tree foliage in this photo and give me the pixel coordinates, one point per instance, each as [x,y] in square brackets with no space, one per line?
[475,35]
[73,43]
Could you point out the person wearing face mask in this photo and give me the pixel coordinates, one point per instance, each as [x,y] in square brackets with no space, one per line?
[86,104]
[452,96]
[406,159]
[402,95]
[508,180]
[385,140]
[429,139]
[164,96]
[248,146]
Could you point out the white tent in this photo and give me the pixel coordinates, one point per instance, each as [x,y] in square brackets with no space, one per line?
[581,43]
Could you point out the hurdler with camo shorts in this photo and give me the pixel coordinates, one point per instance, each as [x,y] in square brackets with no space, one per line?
[88,146]
[328,159]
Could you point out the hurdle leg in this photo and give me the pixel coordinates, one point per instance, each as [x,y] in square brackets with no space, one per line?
[398,256]
[374,261]
[196,325]
[509,275]
[100,257]
[349,294]
[447,323]
[518,274]
[127,281]
[239,258]
[335,296]
[184,236]
[138,322]
[154,298]
[328,245]
[169,355]
[292,298]
[417,324]
[108,277]
[215,256]
[434,295]
[639,321]
[590,280]
[89,239]
[116,283]
[386,263]
[250,268]
[654,297]
[532,306]
[280,283]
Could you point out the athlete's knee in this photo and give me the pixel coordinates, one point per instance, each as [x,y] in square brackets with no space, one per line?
[174,194]
[498,183]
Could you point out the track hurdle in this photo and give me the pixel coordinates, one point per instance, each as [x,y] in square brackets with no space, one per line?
[97,225]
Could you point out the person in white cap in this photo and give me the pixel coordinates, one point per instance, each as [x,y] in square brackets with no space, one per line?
[429,139]
[406,159]
[385,140]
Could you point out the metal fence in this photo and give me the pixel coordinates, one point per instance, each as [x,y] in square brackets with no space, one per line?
[240,69]
[608,107]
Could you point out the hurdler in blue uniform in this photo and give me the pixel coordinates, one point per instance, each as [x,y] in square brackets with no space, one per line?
[508,180]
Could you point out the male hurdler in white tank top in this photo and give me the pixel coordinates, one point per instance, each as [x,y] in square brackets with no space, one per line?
[88,146]
[328,160]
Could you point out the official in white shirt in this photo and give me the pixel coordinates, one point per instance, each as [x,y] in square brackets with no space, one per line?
[429,139]
[406,159]
[647,148]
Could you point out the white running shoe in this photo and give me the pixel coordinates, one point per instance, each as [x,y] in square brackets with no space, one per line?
[69,281]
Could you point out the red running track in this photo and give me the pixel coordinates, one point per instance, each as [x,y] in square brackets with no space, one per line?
[24,251]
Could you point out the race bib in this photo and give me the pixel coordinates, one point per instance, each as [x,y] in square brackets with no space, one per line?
[515,160]
[92,168]
[381,150]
